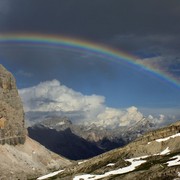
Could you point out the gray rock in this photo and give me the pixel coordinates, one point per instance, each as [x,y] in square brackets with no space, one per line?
[12,129]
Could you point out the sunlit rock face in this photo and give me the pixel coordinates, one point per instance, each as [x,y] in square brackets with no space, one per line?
[12,129]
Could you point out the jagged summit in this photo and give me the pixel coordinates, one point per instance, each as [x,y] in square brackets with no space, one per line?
[57,123]
[12,129]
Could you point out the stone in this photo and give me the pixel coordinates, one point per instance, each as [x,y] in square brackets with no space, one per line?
[12,130]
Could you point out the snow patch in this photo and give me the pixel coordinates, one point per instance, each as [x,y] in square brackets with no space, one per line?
[60,123]
[174,162]
[166,151]
[49,175]
[110,164]
[82,162]
[134,163]
[167,138]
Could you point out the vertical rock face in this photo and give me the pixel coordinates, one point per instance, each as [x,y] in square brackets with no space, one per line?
[12,129]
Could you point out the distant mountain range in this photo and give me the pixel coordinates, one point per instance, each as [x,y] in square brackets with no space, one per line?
[75,142]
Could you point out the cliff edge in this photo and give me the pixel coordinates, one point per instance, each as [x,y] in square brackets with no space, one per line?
[12,130]
[21,157]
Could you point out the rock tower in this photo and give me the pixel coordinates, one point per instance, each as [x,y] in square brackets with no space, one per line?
[12,130]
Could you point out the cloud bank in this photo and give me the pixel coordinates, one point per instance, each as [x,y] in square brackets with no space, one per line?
[52,96]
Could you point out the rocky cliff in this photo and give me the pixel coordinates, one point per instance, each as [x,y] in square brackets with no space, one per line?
[21,158]
[12,129]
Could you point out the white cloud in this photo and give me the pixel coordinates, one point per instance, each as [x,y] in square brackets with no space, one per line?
[112,117]
[162,115]
[52,96]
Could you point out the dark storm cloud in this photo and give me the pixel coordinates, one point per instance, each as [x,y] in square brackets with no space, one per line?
[144,28]
[5,7]
[94,19]
[126,24]
[149,45]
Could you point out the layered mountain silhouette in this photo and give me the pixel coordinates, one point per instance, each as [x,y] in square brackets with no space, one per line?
[64,142]
[75,141]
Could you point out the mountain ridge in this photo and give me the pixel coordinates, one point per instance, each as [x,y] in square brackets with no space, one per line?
[103,139]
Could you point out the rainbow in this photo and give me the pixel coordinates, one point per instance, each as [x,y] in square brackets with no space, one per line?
[108,53]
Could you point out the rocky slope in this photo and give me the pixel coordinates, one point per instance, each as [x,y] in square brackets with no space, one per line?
[156,155]
[28,161]
[20,157]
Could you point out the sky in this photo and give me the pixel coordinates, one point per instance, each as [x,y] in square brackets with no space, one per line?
[89,86]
